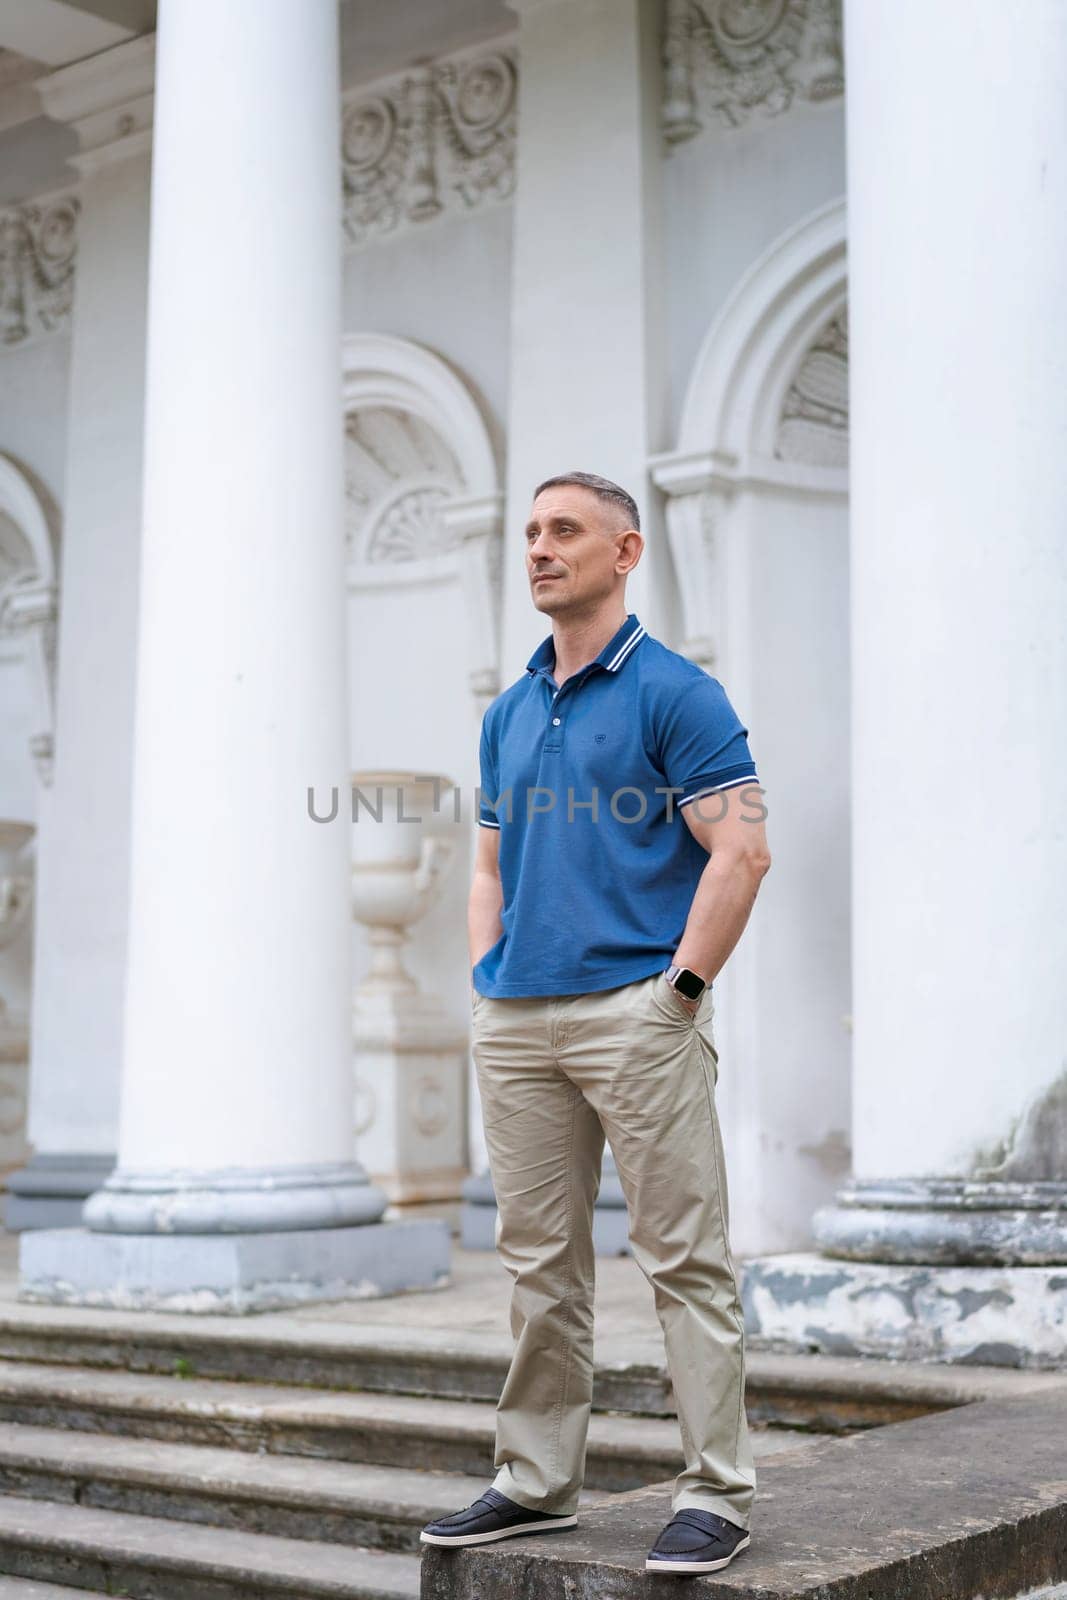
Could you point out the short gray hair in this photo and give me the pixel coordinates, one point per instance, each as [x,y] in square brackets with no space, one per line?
[603,488]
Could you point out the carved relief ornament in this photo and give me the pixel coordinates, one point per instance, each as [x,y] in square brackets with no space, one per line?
[724,60]
[38,244]
[440,138]
[813,426]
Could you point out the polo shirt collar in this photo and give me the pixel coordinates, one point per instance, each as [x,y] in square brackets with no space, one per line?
[618,649]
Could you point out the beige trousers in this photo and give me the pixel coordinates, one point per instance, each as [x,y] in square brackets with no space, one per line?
[557,1073]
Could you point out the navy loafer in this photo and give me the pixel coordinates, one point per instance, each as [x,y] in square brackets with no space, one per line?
[696,1541]
[493,1516]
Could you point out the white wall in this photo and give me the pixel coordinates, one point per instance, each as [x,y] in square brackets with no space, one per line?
[18,799]
[446,285]
[789,1123]
[79,976]
[727,195]
[784,1010]
[34,379]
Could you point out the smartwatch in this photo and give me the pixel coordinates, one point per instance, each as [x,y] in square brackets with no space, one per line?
[686,983]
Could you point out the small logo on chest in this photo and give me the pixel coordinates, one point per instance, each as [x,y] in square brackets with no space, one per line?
[600,738]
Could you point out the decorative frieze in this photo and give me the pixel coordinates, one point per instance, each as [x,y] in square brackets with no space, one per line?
[726,60]
[813,425]
[38,244]
[442,137]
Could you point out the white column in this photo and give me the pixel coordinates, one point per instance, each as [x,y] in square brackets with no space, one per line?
[587,386]
[236,1095]
[957,160]
[237,1178]
[83,838]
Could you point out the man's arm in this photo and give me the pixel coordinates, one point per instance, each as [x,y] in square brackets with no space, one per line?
[484,926]
[730,827]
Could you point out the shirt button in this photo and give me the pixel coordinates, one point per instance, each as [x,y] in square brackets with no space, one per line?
[555,722]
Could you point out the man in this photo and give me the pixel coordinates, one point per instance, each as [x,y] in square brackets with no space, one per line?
[620,849]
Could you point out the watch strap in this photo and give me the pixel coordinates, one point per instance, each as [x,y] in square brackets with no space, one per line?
[689,984]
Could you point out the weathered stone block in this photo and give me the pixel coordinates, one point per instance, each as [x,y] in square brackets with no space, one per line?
[965,1503]
[227,1273]
[993,1316]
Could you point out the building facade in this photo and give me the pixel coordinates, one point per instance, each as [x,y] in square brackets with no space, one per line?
[820,336]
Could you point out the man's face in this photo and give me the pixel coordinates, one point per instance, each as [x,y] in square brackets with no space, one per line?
[578,549]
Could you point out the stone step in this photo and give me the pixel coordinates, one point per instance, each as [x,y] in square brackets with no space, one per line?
[149,1558]
[376,1430]
[385,1359]
[29,1589]
[815,1391]
[337,1502]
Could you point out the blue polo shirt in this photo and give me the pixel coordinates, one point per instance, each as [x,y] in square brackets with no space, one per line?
[586,783]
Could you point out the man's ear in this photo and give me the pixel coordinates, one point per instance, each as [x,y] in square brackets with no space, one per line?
[627,536]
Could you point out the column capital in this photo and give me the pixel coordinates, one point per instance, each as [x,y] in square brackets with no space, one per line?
[107,100]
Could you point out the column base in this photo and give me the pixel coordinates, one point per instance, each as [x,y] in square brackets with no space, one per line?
[228,1274]
[991,1316]
[51,1189]
[242,1200]
[611,1220]
[946,1222]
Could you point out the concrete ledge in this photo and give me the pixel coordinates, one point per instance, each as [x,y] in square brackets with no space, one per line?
[992,1316]
[227,1273]
[962,1504]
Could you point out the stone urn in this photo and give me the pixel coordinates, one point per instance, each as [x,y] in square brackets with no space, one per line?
[399,866]
[410,1057]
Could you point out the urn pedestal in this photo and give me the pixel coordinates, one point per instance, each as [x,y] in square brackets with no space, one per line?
[410,1092]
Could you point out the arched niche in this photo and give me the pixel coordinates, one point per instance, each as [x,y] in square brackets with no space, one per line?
[765,410]
[757,516]
[755,348]
[422,484]
[28,599]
